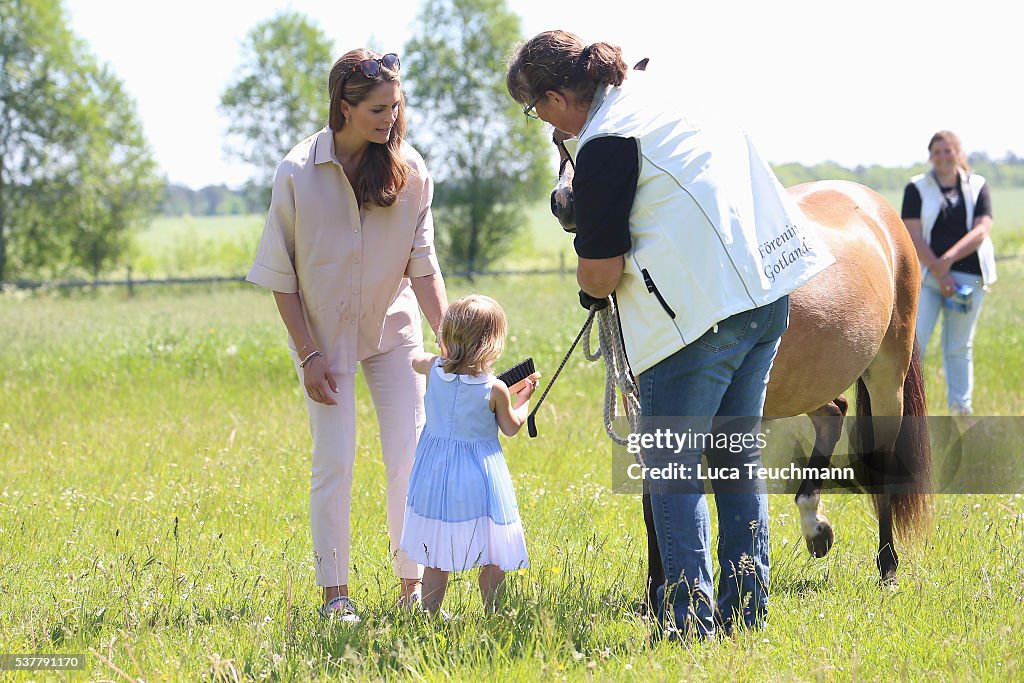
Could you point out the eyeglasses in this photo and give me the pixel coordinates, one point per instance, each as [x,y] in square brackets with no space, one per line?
[371,67]
[530,110]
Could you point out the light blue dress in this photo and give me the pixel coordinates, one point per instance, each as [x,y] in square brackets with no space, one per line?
[461,510]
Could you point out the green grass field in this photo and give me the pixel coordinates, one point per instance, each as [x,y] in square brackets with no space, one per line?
[154,508]
[154,514]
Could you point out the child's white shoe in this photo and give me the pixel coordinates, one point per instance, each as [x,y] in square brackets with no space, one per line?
[340,608]
[411,603]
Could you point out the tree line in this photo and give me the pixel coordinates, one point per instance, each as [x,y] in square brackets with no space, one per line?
[212,200]
[221,200]
[1002,173]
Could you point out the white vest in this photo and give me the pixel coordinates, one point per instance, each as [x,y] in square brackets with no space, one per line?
[713,231]
[931,205]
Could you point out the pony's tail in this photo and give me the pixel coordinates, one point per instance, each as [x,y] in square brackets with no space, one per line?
[910,498]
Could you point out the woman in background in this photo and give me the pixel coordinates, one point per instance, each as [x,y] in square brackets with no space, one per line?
[948,212]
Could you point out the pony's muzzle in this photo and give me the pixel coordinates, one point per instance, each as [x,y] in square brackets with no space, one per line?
[562,205]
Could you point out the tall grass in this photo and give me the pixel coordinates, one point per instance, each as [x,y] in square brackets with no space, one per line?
[154,513]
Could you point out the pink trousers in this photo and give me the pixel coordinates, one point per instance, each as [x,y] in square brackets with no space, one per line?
[397,393]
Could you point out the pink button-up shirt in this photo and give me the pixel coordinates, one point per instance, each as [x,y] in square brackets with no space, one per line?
[351,268]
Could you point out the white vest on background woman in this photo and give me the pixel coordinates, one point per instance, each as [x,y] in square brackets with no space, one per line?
[713,231]
[932,202]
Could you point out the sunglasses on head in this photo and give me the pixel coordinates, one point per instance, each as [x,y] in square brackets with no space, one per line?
[371,67]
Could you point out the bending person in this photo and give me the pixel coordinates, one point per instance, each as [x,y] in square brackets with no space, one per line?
[701,246]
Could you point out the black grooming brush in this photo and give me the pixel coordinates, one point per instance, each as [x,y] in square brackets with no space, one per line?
[517,373]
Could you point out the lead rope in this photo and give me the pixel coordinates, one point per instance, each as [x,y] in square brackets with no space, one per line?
[617,374]
[531,423]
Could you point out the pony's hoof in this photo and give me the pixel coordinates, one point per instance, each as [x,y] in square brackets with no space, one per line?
[887,576]
[887,562]
[821,541]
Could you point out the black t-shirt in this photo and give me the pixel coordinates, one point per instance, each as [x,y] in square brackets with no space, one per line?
[603,188]
[951,225]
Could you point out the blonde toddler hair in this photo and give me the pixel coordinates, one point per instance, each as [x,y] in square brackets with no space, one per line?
[472,335]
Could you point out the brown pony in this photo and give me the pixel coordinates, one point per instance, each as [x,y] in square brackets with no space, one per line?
[852,323]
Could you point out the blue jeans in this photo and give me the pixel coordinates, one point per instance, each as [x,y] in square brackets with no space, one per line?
[957,336]
[724,374]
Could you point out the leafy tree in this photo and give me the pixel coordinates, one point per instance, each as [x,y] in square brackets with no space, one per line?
[487,159]
[115,179]
[279,94]
[75,171]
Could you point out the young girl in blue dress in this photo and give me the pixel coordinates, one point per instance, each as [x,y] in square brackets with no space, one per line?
[461,511]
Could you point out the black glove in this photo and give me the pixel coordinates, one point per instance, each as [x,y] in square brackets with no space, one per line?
[587,301]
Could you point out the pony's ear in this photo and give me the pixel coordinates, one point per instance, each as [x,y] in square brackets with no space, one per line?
[642,64]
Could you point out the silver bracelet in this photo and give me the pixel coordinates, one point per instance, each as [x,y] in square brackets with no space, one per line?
[308,358]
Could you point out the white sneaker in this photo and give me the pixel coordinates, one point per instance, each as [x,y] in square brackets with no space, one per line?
[340,608]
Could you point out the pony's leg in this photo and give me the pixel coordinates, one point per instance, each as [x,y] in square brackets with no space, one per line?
[879,414]
[828,425]
[655,570]
[887,560]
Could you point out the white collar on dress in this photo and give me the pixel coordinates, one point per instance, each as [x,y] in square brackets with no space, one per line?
[468,379]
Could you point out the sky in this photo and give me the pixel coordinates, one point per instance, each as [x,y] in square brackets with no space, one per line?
[856,82]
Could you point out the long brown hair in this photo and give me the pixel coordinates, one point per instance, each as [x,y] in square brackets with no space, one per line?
[472,335]
[559,60]
[951,139]
[382,173]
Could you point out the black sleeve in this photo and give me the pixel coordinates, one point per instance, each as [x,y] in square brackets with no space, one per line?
[911,202]
[603,189]
[983,207]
